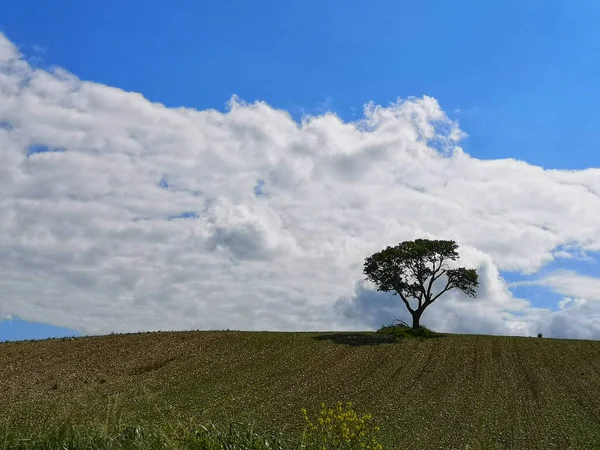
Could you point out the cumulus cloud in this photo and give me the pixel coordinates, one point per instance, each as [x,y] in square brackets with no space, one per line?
[569,284]
[119,214]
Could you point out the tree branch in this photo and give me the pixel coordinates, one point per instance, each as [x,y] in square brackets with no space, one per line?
[399,292]
[414,266]
[449,286]
[434,277]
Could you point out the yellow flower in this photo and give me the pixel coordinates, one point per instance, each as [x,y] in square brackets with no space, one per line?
[339,427]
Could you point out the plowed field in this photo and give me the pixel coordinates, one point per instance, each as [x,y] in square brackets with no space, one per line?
[442,393]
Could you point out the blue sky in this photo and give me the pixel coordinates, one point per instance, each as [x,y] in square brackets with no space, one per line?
[521,78]
[528,68]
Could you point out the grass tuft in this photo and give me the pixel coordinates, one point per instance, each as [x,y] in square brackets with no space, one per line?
[336,429]
[404,332]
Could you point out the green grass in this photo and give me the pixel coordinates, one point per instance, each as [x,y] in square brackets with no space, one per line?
[168,435]
[488,392]
[402,332]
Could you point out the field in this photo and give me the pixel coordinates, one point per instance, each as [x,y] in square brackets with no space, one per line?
[442,393]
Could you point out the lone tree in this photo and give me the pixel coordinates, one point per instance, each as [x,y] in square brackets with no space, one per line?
[411,268]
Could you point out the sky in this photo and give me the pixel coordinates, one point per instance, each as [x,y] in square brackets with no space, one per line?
[229,165]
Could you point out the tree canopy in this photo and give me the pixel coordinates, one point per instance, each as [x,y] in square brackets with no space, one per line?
[411,269]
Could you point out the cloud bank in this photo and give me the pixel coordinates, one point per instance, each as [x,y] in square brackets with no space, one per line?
[119,214]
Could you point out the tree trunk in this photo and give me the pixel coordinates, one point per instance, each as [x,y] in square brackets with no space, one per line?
[416,317]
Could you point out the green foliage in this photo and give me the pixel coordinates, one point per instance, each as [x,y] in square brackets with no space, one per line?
[235,436]
[335,430]
[175,437]
[411,268]
[397,268]
[403,332]
[339,429]
[539,335]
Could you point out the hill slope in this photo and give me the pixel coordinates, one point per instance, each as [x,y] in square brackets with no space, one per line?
[499,392]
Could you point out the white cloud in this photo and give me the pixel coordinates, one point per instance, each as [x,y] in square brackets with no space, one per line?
[95,238]
[8,51]
[569,283]
[38,48]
